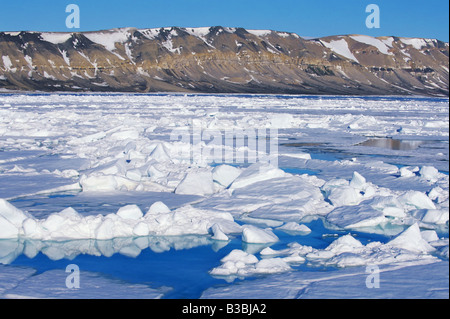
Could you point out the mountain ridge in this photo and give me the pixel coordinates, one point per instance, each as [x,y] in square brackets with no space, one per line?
[221,60]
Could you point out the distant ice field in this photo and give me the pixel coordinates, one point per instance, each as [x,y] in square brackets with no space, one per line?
[221,196]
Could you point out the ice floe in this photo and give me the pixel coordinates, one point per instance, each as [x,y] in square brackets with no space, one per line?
[225,174]
[51,284]
[414,280]
[199,182]
[255,235]
[128,221]
[240,264]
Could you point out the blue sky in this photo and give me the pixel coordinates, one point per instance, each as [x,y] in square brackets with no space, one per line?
[413,18]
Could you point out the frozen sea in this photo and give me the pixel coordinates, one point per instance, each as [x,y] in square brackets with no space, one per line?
[223,196]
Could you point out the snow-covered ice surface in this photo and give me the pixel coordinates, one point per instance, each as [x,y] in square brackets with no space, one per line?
[402,280]
[148,196]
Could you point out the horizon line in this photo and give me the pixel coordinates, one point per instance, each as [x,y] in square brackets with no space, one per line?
[217,26]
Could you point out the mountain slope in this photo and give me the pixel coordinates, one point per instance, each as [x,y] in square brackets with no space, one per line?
[225,60]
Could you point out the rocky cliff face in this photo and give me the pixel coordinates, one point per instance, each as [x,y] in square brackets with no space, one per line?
[225,60]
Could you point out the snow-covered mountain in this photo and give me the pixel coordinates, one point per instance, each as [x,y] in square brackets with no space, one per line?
[219,59]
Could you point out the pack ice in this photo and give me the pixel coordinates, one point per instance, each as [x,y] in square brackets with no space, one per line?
[120,144]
